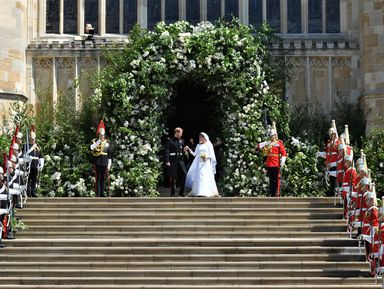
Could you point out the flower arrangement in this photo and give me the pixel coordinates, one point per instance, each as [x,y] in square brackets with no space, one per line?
[203,156]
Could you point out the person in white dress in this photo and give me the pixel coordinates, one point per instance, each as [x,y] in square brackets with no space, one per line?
[201,175]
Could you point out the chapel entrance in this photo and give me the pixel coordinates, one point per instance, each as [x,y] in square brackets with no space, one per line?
[194,109]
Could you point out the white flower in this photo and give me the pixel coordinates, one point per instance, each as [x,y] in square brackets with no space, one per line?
[53,146]
[126,123]
[56,176]
[142,87]
[164,35]
[66,147]
[56,158]
[47,158]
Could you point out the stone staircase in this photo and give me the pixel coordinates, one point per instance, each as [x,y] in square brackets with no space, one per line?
[184,243]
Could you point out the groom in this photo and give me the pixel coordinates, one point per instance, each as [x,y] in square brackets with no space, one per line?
[174,160]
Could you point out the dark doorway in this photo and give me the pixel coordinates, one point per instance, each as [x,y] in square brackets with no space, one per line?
[194,109]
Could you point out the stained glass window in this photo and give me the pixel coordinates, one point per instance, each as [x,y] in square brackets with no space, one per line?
[315,21]
[154,13]
[193,11]
[231,9]
[213,10]
[273,14]
[333,16]
[130,14]
[91,14]
[52,16]
[294,16]
[70,16]
[255,12]
[171,11]
[112,17]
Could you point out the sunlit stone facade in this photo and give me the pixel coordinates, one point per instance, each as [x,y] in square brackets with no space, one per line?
[335,47]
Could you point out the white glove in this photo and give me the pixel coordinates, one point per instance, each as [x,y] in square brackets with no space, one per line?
[282,161]
[93,146]
[321,155]
[109,164]
[21,161]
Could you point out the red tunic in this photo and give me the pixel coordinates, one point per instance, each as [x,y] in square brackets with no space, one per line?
[349,178]
[340,164]
[275,151]
[332,152]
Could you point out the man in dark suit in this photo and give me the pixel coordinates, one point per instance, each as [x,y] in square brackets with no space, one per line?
[174,160]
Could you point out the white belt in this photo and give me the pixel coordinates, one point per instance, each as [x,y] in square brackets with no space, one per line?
[366,225]
[333,164]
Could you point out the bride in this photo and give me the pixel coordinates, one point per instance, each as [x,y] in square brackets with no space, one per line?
[201,174]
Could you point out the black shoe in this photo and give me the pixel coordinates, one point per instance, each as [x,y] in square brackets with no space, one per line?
[18,206]
[2,245]
[181,195]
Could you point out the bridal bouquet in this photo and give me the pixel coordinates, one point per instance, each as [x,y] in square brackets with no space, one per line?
[203,156]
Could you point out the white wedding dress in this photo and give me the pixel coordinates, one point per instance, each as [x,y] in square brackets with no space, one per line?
[201,174]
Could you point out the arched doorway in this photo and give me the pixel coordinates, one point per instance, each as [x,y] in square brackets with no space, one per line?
[193,108]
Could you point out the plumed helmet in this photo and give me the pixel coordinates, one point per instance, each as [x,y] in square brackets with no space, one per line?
[333,129]
[346,132]
[348,158]
[100,128]
[273,130]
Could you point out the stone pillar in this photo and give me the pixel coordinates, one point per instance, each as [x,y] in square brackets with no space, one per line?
[372,55]
[13,43]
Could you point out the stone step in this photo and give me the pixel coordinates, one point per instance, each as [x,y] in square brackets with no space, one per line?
[196,273]
[196,249]
[68,256]
[192,228]
[275,280]
[85,264]
[193,221]
[177,234]
[221,286]
[185,242]
[177,210]
[308,200]
[196,215]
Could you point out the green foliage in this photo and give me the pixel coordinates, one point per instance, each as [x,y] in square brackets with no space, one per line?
[18,225]
[62,134]
[373,147]
[310,121]
[236,66]
[302,176]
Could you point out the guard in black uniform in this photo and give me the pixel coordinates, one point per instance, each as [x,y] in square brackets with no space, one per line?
[35,160]
[174,160]
[101,150]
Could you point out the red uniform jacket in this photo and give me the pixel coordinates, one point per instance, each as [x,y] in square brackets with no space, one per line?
[332,153]
[349,176]
[274,151]
[340,164]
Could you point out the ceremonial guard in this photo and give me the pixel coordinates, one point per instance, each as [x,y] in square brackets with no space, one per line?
[35,161]
[4,207]
[102,161]
[349,181]
[331,157]
[275,154]
[174,160]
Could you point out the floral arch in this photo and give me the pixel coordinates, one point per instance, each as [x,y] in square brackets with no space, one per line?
[136,86]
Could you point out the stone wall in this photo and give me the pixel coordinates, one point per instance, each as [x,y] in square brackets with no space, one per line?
[13,44]
[372,60]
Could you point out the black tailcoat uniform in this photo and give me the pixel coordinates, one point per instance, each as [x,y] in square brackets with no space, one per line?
[177,169]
